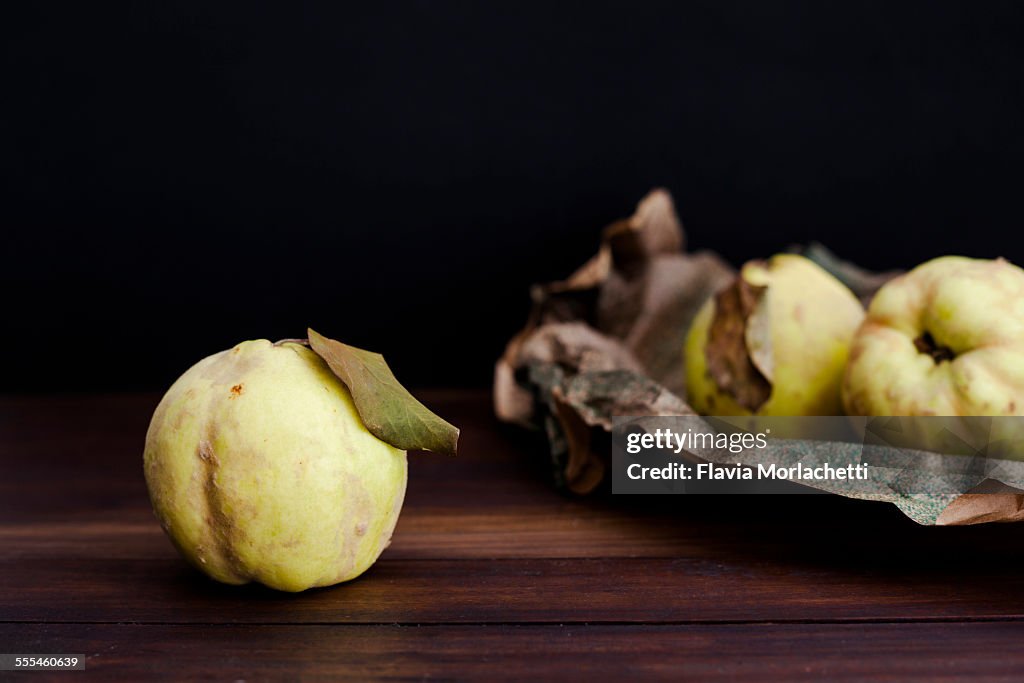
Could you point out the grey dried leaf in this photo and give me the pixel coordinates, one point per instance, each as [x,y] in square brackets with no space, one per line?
[583,406]
[599,396]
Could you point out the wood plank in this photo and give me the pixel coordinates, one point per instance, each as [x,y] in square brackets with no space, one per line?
[881,652]
[549,527]
[483,591]
[493,500]
[70,456]
[79,543]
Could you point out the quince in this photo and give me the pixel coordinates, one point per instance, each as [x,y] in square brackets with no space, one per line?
[260,469]
[945,339]
[773,343]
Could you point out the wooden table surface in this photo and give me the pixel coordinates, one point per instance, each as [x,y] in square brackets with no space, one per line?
[493,574]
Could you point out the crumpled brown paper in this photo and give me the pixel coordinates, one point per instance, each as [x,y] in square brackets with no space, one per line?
[608,341]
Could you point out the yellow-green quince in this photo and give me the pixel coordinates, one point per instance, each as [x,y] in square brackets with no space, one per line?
[260,469]
[775,343]
[946,339]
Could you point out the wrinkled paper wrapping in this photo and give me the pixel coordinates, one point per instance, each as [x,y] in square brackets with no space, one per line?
[608,341]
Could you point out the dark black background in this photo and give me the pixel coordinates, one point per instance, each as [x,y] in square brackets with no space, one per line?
[180,177]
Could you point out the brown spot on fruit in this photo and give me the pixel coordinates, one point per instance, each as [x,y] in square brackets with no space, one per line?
[237,390]
[205,451]
[360,528]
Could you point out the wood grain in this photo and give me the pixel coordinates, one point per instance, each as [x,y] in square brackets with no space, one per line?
[498,572]
[755,652]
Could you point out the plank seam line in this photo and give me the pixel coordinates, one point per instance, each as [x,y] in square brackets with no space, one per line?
[852,621]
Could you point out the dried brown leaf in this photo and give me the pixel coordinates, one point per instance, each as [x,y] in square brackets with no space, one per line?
[980,508]
[652,309]
[728,356]
[654,228]
[583,469]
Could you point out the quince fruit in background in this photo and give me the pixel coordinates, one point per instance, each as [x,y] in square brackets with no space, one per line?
[261,465]
[946,339]
[775,342]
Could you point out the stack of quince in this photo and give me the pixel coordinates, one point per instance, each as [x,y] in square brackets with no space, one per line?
[787,338]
